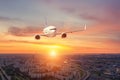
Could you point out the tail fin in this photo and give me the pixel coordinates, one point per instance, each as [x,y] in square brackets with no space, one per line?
[46,24]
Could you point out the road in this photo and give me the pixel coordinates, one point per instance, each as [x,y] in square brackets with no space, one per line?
[86,73]
[3,75]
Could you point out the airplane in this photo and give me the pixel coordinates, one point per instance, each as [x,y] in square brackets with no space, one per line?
[51,31]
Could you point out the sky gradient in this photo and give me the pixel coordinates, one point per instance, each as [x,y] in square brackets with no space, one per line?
[20,20]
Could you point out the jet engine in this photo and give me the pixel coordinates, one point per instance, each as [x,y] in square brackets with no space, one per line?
[37,37]
[64,35]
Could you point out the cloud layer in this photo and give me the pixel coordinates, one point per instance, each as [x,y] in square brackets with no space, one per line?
[102,16]
[26,31]
[101,11]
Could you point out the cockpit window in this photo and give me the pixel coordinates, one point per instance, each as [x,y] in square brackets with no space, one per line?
[53,29]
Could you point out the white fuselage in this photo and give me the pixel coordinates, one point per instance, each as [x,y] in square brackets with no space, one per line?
[50,31]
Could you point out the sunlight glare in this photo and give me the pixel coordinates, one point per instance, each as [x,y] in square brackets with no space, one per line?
[53,53]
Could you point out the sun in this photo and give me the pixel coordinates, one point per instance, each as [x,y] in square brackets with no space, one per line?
[53,53]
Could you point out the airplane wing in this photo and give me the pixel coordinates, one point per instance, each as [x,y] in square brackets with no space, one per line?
[37,36]
[74,30]
[42,34]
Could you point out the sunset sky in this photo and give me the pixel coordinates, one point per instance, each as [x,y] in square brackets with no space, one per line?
[20,20]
